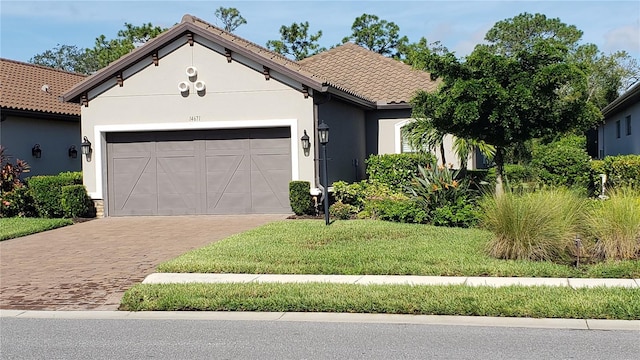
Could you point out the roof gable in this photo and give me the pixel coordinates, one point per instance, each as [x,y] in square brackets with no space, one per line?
[349,71]
[30,87]
[369,74]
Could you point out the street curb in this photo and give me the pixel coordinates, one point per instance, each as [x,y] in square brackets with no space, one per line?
[544,323]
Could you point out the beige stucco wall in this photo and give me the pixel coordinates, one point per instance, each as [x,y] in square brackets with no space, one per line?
[19,134]
[235,96]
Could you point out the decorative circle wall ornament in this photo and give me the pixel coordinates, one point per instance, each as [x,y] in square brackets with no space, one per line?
[183,86]
[199,85]
[191,71]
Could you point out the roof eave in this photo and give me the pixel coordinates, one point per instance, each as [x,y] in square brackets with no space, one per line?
[630,96]
[393,105]
[74,94]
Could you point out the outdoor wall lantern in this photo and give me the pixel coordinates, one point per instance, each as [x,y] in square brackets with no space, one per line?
[306,144]
[36,152]
[323,136]
[86,148]
[73,153]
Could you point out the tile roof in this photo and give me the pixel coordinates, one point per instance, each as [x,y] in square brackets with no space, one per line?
[368,73]
[22,84]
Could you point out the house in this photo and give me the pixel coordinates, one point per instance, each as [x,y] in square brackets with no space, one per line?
[201,121]
[620,133]
[35,125]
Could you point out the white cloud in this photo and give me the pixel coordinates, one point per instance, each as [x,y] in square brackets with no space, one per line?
[623,38]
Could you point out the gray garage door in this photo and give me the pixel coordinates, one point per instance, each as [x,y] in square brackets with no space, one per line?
[239,171]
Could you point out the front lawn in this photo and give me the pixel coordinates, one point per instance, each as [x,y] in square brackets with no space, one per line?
[15,227]
[511,301]
[361,247]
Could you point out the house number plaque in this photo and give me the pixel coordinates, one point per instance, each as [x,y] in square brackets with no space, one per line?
[194,118]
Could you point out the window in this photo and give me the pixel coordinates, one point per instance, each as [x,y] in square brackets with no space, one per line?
[628,120]
[405,144]
[618,129]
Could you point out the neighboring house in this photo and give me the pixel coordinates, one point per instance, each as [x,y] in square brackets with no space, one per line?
[620,133]
[32,117]
[200,121]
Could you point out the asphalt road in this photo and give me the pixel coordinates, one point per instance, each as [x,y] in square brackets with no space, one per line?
[33,338]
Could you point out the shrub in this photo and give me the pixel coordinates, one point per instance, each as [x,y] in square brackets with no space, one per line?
[17,202]
[623,170]
[613,225]
[461,214]
[397,210]
[75,202]
[520,176]
[448,201]
[342,211]
[564,162]
[396,170]
[300,197]
[539,225]
[10,173]
[47,193]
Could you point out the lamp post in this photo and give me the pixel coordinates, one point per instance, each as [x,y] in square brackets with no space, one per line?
[323,135]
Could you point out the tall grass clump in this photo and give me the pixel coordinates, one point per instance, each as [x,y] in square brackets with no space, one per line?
[614,225]
[539,225]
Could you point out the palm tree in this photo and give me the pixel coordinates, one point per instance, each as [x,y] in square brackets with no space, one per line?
[423,137]
[463,147]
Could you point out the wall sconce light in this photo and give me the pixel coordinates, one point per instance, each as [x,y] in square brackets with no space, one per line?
[73,153]
[86,147]
[306,144]
[36,152]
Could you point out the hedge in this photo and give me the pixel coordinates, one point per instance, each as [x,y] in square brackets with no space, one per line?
[300,197]
[621,170]
[47,192]
[75,201]
[396,170]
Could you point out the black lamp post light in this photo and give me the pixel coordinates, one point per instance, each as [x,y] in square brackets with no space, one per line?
[36,152]
[323,136]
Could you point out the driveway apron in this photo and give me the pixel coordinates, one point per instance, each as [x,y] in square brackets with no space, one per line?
[89,265]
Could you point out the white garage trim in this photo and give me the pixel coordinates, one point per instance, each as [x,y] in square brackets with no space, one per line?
[100,132]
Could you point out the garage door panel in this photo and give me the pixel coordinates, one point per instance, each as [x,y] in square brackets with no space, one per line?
[195,172]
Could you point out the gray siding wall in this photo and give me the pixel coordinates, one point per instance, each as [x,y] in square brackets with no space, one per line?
[347,145]
[610,144]
[18,135]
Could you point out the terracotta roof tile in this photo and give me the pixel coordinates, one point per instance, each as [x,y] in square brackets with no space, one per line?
[368,73]
[21,88]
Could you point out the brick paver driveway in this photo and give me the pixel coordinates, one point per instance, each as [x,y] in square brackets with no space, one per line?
[89,265]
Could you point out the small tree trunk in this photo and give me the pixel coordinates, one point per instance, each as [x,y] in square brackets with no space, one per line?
[444,161]
[499,159]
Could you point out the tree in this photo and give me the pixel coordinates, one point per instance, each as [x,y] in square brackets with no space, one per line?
[230,18]
[106,51]
[608,75]
[296,41]
[508,99]
[376,35]
[87,61]
[416,54]
[64,57]
[511,36]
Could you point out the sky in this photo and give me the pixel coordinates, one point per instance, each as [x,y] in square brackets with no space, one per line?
[28,28]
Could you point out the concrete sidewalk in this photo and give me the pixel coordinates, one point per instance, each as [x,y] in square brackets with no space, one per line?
[166,278]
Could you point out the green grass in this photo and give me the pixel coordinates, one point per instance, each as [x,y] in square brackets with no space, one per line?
[15,227]
[361,247]
[512,301]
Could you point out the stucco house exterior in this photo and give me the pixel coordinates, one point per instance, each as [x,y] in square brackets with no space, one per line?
[620,133]
[201,121]
[33,118]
